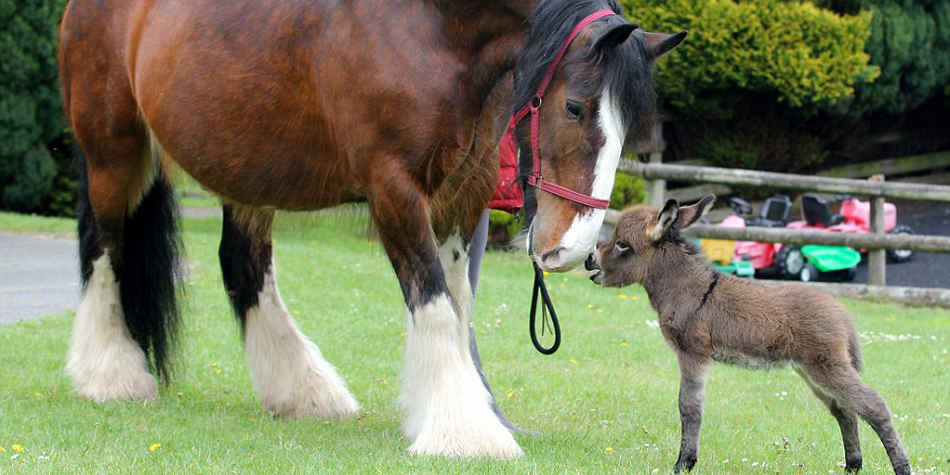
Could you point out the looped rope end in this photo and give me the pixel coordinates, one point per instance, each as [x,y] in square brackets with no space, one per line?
[546,307]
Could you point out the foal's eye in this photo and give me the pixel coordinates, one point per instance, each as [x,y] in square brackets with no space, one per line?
[575,111]
[621,246]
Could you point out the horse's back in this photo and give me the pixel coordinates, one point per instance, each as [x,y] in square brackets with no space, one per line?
[289,95]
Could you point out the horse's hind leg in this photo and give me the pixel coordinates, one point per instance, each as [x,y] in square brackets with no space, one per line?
[844,384]
[449,409]
[847,421]
[291,376]
[128,258]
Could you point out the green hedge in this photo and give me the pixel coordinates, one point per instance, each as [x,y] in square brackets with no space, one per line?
[32,179]
[803,56]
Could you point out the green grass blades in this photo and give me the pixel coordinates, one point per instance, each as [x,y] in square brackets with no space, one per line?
[605,402]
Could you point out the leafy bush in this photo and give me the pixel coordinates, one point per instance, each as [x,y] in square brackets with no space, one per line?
[805,57]
[628,190]
[30,105]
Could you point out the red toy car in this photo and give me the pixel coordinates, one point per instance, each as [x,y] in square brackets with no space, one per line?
[855,217]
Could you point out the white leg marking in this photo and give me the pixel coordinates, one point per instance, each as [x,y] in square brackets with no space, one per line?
[448,407]
[291,376]
[581,237]
[103,361]
[455,259]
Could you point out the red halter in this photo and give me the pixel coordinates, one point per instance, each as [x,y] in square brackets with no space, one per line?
[534,107]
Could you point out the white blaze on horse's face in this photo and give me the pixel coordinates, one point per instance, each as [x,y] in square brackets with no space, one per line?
[581,237]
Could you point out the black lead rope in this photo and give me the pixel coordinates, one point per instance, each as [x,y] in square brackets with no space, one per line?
[546,307]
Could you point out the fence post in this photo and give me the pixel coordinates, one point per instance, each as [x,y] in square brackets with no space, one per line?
[877,258]
[656,189]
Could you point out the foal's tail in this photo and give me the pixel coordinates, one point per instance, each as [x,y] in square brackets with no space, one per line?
[145,262]
[855,351]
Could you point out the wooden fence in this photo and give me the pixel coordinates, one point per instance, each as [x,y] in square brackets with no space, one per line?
[876,241]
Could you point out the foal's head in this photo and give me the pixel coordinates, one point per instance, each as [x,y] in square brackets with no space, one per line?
[599,98]
[642,238]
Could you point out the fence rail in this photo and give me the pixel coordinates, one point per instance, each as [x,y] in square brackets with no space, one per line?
[876,241]
[730,176]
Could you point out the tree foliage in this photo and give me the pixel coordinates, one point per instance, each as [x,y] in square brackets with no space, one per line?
[30,104]
[803,56]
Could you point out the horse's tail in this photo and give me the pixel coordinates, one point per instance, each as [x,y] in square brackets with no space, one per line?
[146,263]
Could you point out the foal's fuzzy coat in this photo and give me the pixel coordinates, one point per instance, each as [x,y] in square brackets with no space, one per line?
[706,316]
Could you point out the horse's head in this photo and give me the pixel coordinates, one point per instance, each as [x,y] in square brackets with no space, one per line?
[599,97]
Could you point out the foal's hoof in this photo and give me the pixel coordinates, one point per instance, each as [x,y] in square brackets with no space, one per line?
[685,463]
[853,466]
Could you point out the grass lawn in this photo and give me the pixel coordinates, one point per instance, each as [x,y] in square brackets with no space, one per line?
[605,402]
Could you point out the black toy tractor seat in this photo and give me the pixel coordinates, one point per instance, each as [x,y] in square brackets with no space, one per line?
[774,213]
[817,212]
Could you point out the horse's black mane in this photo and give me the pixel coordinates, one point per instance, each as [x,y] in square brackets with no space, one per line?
[627,74]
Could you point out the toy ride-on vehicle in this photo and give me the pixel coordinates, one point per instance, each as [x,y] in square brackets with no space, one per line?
[775,260]
[854,217]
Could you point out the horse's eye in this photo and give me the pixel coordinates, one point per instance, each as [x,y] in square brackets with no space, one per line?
[622,246]
[575,111]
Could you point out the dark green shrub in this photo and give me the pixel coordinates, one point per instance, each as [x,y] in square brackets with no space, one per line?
[30,105]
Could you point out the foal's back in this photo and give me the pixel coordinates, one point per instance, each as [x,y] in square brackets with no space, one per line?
[783,322]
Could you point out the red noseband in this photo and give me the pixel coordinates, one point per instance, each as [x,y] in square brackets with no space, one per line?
[534,107]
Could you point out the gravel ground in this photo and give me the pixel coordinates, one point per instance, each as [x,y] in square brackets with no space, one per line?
[925,269]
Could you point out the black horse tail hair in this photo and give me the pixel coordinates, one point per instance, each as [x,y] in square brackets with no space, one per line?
[148,272]
[146,267]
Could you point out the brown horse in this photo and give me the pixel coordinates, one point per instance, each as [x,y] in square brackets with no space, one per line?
[302,105]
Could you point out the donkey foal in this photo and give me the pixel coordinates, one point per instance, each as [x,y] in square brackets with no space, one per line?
[706,316]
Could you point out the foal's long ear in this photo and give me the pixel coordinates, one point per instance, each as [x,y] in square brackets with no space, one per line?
[658,44]
[664,220]
[690,214]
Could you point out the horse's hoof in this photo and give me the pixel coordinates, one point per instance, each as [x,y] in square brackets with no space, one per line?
[485,440]
[308,387]
[116,385]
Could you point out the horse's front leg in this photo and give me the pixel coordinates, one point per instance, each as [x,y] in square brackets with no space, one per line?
[448,408]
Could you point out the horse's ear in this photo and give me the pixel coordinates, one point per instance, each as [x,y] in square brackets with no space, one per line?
[658,44]
[665,219]
[690,214]
[614,34]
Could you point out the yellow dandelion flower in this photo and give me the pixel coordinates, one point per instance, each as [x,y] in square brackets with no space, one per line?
[634,297]
[609,450]
[622,296]
[600,310]
[17,448]
[214,364]
[573,361]
[546,273]
[2,449]
[296,312]
[511,394]
[590,306]
[623,344]
[154,447]
[217,371]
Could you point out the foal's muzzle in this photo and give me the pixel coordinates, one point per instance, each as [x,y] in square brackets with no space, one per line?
[591,265]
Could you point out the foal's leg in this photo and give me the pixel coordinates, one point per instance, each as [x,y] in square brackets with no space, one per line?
[844,383]
[692,394]
[291,376]
[847,421]
[449,409]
